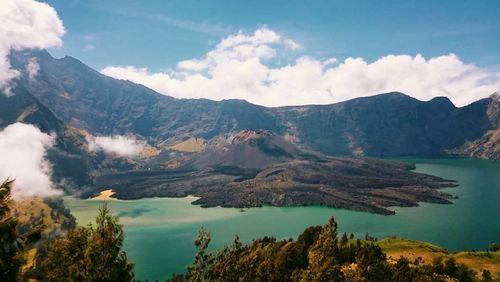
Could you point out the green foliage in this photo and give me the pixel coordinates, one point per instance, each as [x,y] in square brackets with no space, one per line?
[12,243]
[486,275]
[316,255]
[322,264]
[450,268]
[494,247]
[200,270]
[10,261]
[89,253]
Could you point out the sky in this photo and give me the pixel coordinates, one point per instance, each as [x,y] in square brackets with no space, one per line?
[277,53]
[271,53]
[171,31]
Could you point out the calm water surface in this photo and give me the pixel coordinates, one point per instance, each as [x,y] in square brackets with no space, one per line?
[160,231]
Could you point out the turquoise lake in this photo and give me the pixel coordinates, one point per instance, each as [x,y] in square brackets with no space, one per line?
[160,231]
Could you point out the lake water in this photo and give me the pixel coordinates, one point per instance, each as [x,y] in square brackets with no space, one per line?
[160,231]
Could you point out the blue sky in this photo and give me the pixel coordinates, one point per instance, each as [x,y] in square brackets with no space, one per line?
[158,34]
[271,53]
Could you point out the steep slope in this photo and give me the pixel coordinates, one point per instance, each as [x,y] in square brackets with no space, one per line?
[384,125]
[84,98]
[387,125]
[189,145]
[488,146]
[71,162]
[23,107]
[249,150]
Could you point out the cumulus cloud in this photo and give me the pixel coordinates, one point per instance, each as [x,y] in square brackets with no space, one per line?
[117,145]
[240,66]
[23,156]
[25,24]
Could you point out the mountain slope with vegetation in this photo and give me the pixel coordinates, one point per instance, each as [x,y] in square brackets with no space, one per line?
[71,161]
[39,241]
[391,124]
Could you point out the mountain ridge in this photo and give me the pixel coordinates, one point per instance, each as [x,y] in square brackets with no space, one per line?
[390,124]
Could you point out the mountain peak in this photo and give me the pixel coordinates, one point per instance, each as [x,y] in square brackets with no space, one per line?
[247,134]
[389,96]
[394,94]
[248,149]
[442,100]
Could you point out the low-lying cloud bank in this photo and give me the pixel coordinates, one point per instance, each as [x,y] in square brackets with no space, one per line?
[239,67]
[23,156]
[117,145]
[25,24]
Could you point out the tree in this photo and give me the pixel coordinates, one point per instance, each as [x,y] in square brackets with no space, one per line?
[11,242]
[200,269]
[486,275]
[323,255]
[316,255]
[344,239]
[90,254]
[402,271]
[105,249]
[66,256]
[371,262]
[494,247]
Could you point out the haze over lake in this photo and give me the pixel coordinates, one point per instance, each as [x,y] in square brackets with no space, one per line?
[160,231]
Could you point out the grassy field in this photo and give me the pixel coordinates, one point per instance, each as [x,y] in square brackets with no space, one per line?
[478,261]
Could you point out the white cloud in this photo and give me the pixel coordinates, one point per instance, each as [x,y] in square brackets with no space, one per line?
[32,68]
[25,24]
[201,27]
[292,45]
[116,145]
[23,156]
[239,67]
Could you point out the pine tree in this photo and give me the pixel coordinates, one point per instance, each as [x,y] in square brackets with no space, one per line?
[105,249]
[322,256]
[199,271]
[90,253]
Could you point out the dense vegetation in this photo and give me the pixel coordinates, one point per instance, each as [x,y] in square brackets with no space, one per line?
[12,242]
[317,255]
[94,253]
[89,253]
[84,253]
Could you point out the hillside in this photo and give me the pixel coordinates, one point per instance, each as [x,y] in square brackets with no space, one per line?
[320,254]
[50,215]
[71,162]
[488,145]
[426,253]
[248,150]
[391,124]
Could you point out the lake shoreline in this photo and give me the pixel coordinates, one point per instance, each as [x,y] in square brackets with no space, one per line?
[468,224]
